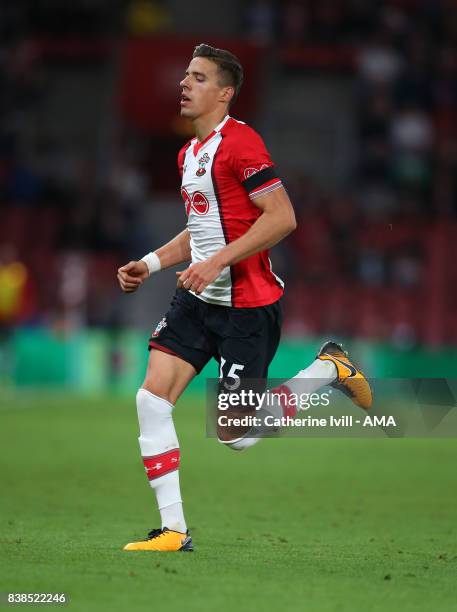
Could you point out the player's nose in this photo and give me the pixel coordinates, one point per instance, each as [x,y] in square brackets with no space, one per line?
[184,82]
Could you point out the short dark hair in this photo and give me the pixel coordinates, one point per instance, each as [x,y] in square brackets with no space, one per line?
[229,66]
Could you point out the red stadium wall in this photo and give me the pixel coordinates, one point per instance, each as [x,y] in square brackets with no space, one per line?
[151,70]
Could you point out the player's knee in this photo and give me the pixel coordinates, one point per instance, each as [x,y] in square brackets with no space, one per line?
[154,413]
[149,404]
[157,388]
[156,424]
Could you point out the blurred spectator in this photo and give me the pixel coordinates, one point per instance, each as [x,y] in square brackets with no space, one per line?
[371,267]
[412,138]
[17,292]
[260,19]
[147,17]
[379,63]
[411,131]
[406,269]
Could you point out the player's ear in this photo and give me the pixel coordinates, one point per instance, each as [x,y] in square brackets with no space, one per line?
[227,94]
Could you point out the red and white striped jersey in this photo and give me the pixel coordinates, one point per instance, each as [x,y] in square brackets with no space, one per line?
[220,178]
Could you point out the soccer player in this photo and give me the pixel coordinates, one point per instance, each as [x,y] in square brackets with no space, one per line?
[226,305]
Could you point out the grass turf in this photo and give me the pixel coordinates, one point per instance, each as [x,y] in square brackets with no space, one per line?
[315,524]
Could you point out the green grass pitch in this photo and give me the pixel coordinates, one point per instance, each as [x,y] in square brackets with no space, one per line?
[291,524]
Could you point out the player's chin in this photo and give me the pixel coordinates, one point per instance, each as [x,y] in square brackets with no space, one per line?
[187,113]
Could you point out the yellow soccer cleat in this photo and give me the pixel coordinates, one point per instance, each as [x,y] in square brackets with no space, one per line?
[163,540]
[350,380]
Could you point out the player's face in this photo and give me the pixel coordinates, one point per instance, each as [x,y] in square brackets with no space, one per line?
[201,91]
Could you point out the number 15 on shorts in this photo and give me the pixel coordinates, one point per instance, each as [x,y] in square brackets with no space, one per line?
[232,373]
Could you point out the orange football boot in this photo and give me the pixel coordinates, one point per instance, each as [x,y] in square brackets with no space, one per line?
[163,540]
[350,379]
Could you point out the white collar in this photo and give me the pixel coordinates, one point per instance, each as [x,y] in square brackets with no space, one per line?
[219,127]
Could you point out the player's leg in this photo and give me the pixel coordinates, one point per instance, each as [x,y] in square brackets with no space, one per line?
[173,362]
[331,367]
[166,378]
[248,340]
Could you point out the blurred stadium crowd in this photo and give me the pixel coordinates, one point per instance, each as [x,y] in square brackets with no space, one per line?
[373,258]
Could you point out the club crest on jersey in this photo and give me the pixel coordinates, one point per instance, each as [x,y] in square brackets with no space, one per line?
[160,325]
[252,170]
[201,164]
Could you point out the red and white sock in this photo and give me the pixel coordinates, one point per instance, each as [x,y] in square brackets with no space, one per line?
[161,456]
[312,378]
[307,381]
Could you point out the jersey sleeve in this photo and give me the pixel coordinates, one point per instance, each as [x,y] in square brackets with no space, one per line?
[252,164]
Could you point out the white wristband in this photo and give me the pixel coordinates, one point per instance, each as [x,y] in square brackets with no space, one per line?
[153,262]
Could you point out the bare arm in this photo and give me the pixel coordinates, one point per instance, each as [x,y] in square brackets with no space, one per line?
[177,251]
[275,223]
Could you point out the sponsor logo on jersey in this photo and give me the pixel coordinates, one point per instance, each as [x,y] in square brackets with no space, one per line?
[160,325]
[202,163]
[197,202]
[252,170]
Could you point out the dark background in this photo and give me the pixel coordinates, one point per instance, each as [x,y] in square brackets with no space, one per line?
[355,99]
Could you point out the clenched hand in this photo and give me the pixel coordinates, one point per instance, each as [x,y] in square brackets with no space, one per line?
[132,275]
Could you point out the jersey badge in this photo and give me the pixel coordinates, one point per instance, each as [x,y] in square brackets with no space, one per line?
[201,164]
